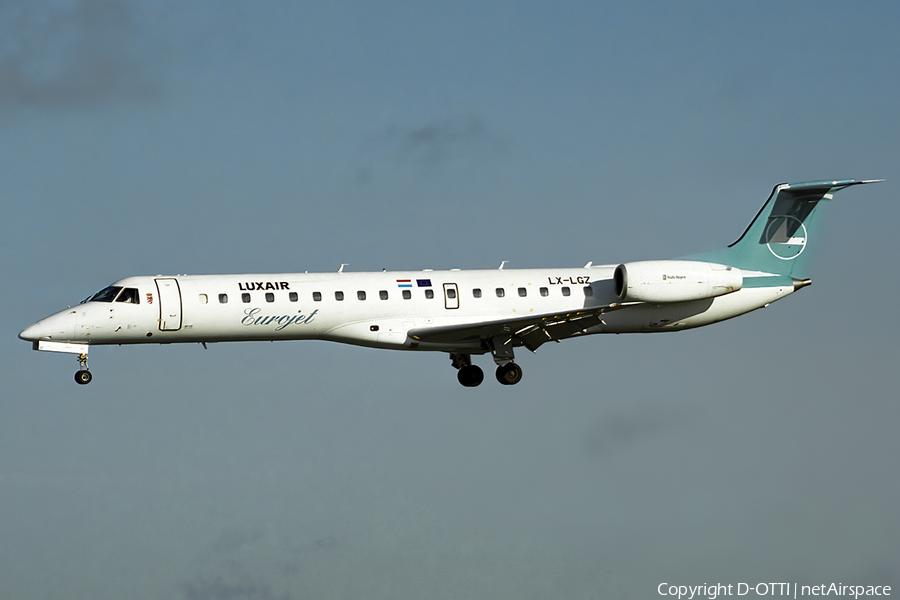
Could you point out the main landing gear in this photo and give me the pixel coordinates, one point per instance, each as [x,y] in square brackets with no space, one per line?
[472,375]
[469,375]
[83,376]
[509,374]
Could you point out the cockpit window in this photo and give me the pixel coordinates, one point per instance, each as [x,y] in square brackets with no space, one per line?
[129,296]
[106,294]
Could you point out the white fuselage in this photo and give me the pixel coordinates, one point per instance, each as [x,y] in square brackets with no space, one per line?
[375,309]
[458,312]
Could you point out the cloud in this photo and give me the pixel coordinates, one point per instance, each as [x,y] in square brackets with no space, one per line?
[246,564]
[236,587]
[84,54]
[458,147]
[634,425]
[439,141]
[232,540]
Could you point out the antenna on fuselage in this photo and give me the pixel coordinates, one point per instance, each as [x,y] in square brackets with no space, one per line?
[341,270]
[503,262]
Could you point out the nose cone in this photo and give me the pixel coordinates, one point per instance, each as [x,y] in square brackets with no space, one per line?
[31,334]
[55,327]
[36,332]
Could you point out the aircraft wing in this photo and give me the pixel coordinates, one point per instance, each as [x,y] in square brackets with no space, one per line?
[531,331]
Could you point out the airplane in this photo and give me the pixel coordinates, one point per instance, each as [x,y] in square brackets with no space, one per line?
[460,312]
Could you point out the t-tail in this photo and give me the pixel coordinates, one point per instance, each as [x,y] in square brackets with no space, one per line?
[777,242]
[768,262]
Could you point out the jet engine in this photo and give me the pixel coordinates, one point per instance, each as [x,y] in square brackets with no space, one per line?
[674,281]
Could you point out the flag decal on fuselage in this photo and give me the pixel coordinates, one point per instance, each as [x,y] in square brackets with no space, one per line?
[408,283]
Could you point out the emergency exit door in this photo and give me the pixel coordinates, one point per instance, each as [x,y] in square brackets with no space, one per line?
[451,295]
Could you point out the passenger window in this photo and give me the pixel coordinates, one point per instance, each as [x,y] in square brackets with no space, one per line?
[523,292]
[451,293]
[501,292]
[339,296]
[429,294]
[360,295]
[292,296]
[270,297]
[476,293]
[223,298]
[545,292]
[317,296]
[407,294]
[588,291]
[566,291]
[245,298]
[129,296]
[383,294]
[203,299]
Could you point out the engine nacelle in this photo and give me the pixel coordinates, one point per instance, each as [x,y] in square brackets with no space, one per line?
[674,281]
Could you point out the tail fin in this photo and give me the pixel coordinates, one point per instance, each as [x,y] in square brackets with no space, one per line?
[777,241]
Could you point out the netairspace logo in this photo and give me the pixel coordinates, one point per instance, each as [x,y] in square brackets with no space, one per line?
[771,589]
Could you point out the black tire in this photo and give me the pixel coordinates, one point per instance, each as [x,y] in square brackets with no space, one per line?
[83,377]
[509,374]
[470,376]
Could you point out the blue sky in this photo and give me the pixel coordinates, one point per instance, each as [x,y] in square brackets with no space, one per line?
[198,137]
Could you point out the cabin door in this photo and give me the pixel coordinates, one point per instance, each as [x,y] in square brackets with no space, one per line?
[169,304]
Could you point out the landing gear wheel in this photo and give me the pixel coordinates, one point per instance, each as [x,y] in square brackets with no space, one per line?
[470,375]
[509,374]
[83,377]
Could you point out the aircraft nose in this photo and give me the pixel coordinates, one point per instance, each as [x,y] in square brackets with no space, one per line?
[58,327]
[31,334]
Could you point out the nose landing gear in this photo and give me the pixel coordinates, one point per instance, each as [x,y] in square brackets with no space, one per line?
[83,376]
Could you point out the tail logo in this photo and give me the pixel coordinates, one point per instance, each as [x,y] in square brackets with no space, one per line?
[785,236]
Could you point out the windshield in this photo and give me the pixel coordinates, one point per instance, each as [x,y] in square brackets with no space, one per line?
[105,295]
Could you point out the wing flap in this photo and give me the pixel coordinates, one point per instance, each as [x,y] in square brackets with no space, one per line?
[533,336]
[531,331]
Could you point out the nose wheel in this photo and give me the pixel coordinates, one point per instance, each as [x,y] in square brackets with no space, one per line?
[83,376]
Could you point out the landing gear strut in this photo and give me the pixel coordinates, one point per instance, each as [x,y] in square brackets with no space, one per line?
[508,372]
[83,376]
